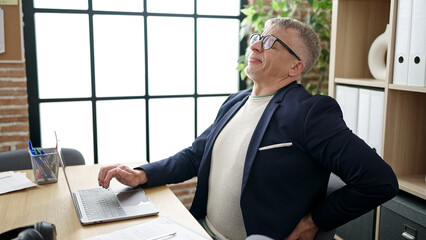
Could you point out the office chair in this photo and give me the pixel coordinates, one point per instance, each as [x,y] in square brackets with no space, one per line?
[334,183]
[20,159]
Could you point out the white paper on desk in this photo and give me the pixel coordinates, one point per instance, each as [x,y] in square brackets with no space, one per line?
[11,181]
[152,230]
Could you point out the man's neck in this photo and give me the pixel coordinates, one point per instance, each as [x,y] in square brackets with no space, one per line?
[260,89]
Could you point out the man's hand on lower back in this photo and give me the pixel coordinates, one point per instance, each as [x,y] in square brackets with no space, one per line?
[305,229]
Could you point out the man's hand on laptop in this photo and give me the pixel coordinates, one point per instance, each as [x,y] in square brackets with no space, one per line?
[123,174]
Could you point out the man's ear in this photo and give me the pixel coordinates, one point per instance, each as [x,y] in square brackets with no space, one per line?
[296,69]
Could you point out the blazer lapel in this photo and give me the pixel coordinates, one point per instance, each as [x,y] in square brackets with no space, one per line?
[260,130]
[205,165]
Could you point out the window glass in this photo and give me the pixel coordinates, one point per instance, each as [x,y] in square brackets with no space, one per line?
[63,55]
[207,109]
[170,6]
[120,6]
[61,4]
[121,131]
[218,7]
[217,55]
[171,122]
[170,55]
[72,122]
[119,55]
[136,51]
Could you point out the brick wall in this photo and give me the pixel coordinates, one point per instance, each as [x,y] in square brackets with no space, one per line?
[185,191]
[14,127]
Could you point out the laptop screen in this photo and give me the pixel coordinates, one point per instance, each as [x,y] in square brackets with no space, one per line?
[64,169]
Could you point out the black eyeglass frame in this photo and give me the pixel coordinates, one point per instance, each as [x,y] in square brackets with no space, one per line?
[261,38]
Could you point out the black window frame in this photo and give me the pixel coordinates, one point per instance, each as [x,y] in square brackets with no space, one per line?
[34,100]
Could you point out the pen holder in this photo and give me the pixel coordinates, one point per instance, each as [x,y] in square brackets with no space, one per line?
[45,166]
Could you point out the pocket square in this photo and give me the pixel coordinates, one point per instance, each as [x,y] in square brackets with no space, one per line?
[278,145]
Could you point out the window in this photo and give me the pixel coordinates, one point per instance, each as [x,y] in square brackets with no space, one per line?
[131,80]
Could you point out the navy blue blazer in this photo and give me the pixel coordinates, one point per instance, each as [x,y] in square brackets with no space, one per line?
[298,141]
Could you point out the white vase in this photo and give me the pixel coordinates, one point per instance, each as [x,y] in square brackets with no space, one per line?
[377,55]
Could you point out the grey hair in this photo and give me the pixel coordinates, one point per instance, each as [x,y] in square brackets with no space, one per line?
[312,47]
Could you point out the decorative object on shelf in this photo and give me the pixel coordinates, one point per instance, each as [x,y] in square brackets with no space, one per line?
[377,54]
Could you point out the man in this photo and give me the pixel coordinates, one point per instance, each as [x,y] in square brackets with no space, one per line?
[263,165]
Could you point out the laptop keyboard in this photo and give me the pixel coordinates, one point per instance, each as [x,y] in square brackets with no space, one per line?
[100,203]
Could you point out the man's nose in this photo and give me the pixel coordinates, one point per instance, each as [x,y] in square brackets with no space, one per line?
[257,46]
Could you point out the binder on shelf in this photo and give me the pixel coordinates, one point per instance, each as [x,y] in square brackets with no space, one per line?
[402,42]
[376,120]
[363,113]
[370,117]
[347,97]
[417,63]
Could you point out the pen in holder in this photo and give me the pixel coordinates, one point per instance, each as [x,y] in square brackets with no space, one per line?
[45,165]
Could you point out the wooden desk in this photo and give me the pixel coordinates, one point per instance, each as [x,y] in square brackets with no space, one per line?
[52,203]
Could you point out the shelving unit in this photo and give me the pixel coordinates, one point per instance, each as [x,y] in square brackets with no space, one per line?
[404,143]
[361,82]
[355,25]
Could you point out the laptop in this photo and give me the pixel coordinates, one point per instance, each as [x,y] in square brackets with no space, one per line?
[98,205]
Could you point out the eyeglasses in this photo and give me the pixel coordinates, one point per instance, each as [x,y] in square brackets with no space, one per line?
[268,42]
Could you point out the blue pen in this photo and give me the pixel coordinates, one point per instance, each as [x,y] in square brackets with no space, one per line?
[45,162]
[41,152]
[30,146]
[51,170]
